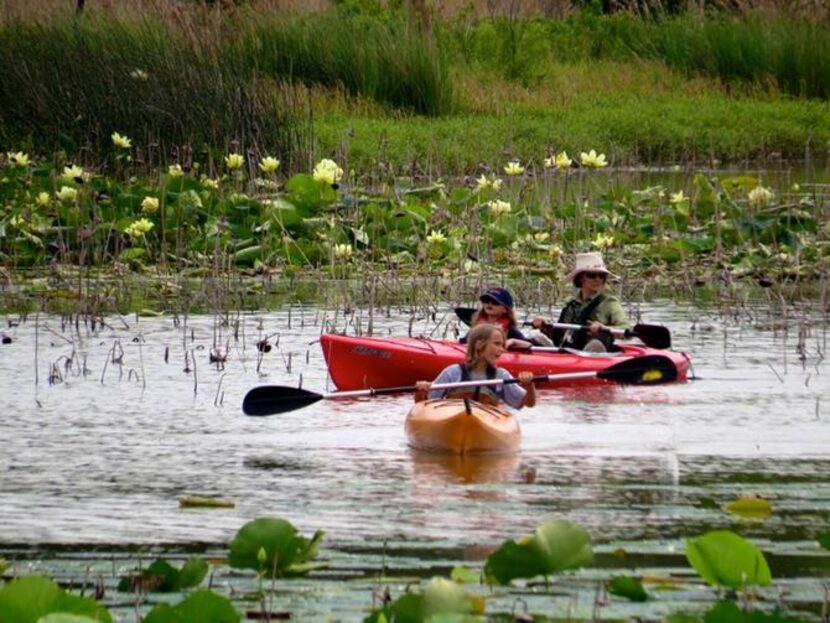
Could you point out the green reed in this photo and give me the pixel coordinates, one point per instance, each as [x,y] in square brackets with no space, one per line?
[790,54]
[389,61]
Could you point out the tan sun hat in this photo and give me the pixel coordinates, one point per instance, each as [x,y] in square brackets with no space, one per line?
[591,262]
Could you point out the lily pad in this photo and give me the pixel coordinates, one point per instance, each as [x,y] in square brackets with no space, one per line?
[30,598]
[272,546]
[203,606]
[554,546]
[750,507]
[628,587]
[162,577]
[198,501]
[722,558]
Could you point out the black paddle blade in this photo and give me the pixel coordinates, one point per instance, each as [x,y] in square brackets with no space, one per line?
[652,335]
[271,399]
[646,370]
[465,314]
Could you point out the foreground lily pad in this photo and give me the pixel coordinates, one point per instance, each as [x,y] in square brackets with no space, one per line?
[554,546]
[202,606]
[161,576]
[628,587]
[30,598]
[272,547]
[722,558]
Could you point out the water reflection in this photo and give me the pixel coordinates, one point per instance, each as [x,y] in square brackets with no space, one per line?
[468,469]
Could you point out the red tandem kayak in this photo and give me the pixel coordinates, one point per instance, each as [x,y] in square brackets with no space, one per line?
[374,362]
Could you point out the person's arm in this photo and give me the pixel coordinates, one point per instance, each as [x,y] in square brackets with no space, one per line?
[421,390]
[526,382]
[612,314]
[512,393]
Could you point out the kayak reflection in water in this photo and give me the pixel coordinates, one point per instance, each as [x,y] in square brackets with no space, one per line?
[591,307]
[485,344]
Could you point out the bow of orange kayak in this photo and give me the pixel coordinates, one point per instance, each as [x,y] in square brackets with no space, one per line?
[462,427]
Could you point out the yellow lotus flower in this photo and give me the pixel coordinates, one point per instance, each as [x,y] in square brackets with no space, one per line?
[175,170]
[121,141]
[17,158]
[149,205]
[67,194]
[235,161]
[555,252]
[343,251]
[602,241]
[482,183]
[592,160]
[561,161]
[513,168]
[760,196]
[210,183]
[139,74]
[541,237]
[43,199]
[498,208]
[436,237]
[327,171]
[269,164]
[139,228]
[74,174]
[678,197]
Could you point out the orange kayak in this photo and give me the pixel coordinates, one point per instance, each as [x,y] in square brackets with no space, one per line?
[457,426]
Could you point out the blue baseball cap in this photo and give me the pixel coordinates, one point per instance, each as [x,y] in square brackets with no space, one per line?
[497,295]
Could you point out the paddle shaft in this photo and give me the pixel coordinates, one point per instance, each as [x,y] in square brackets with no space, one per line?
[627,333]
[359,393]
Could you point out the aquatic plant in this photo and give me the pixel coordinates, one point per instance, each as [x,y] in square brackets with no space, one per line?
[27,599]
[554,546]
[203,606]
[273,549]
[725,559]
[161,576]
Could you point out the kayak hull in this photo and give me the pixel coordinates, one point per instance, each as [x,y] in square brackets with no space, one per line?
[371,362]
[456,426]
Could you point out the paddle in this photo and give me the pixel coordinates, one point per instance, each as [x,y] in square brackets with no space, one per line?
[651,335]
[271,399]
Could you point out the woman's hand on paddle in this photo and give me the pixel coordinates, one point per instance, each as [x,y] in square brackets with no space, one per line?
[517,344]
[595,327]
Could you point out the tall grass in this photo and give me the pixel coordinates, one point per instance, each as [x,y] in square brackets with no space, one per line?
[790,54]
[172,77]
[389,61]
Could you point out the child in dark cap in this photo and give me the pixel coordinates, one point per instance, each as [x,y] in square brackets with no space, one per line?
[497,308]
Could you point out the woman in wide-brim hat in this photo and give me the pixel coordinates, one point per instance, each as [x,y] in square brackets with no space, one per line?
[590,307]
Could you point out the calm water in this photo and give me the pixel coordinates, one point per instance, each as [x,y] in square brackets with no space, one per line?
[93,463]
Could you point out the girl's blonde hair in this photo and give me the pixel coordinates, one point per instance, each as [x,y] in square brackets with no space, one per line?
[477,340]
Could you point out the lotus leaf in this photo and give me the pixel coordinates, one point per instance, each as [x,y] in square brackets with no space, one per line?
[161,576]
[63,617]
[750,507]
[442,596]
[28,599]
[285,550]
[203,606]
[628,587]
[722,558]
[729,612]
[554,546]
[464,575]
[824,540]
[307,194]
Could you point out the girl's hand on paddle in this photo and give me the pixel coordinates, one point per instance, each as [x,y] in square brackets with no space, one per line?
[422,390]
[526,381]
[538,323]
[517,344]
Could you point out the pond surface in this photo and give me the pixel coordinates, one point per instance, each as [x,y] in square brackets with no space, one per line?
[92,463]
